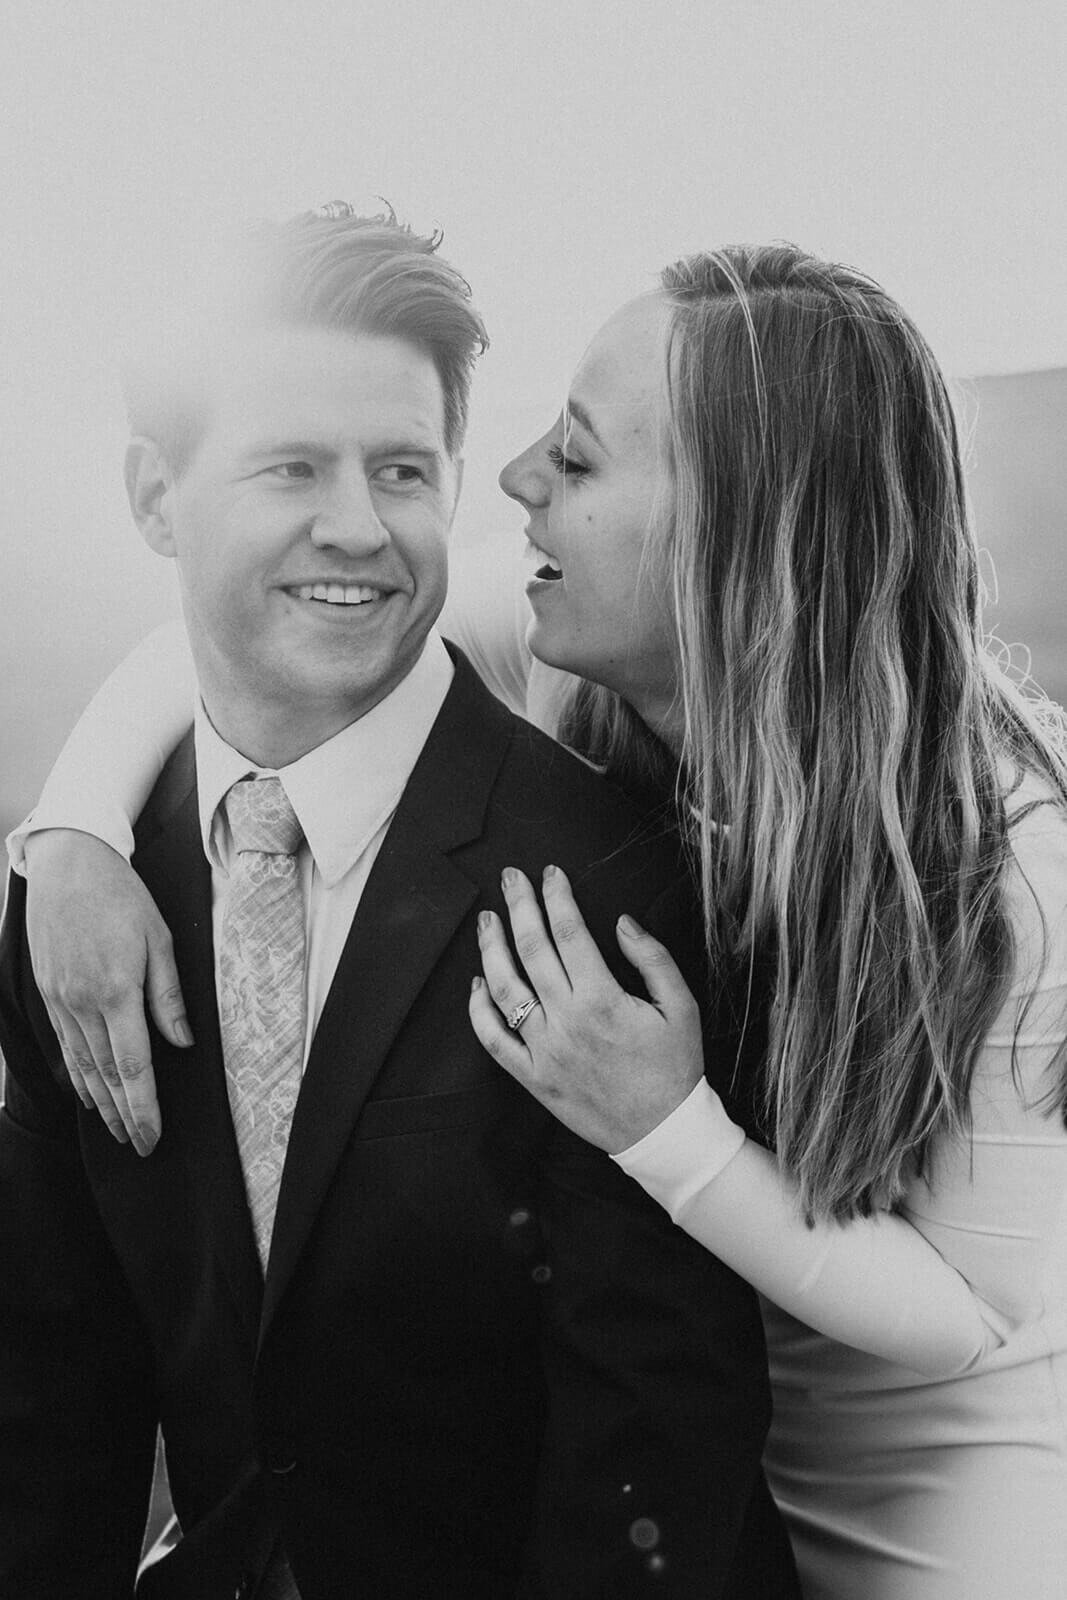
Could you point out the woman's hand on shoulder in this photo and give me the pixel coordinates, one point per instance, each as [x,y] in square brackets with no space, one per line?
[101,952]
[608,1064]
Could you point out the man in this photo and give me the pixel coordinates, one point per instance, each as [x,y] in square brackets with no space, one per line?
[404,1335]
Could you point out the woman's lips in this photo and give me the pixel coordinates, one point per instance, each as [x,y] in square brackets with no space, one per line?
[548,568]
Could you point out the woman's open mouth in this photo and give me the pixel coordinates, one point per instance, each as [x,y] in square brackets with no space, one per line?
[548,568]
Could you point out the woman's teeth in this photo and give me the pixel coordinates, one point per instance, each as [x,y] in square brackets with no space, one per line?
[338,594]
[547,566]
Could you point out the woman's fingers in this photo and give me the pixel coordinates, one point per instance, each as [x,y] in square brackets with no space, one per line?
[506,1048]
[667,988]
[163,991]
[124,1056]
[85,1075]
[575,945]
[118,1074]
[507,988]
[70,1065]
[100,950]
[608,1064]
[533,943]
[108,1060]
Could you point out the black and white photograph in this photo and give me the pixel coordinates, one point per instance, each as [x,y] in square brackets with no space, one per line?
[533,764]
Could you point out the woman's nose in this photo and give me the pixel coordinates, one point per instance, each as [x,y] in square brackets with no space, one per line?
[523,480]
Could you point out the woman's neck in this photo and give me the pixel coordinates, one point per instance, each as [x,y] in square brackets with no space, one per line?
[662,713]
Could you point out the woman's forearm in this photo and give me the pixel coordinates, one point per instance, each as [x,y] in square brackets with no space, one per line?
[106,770]
[873,1283]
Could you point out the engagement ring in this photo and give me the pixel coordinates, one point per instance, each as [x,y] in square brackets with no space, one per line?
[520,1013]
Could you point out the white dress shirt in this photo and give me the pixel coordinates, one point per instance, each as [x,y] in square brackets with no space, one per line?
[344,793]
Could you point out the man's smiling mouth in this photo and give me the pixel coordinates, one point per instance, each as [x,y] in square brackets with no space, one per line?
[337,594]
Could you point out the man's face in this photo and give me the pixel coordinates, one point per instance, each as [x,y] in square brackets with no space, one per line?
[310,532]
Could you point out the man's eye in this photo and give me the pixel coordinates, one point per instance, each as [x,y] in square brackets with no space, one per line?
[293,471]
[399,472]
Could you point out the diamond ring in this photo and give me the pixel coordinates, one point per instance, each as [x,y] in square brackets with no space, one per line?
[517,1017]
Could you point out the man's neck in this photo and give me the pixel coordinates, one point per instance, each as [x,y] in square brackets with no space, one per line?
[275,736]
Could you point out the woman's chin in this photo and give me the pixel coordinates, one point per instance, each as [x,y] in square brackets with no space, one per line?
[552,647]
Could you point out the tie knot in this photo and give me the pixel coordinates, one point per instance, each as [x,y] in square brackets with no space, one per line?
[261,817]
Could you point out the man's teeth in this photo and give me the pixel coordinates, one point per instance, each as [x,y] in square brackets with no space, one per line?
[338,594]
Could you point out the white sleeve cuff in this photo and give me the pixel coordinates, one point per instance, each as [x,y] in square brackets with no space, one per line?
[103,821]
[685,1151]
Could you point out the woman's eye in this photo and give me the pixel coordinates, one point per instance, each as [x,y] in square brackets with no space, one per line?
[563,463]
[293,471]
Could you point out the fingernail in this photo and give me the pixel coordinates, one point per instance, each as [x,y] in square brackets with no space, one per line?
[184,1032]
[549,872]
[121,1135]
[476,984]
[628,925]
[485,921]
[148,1139]
[509,877]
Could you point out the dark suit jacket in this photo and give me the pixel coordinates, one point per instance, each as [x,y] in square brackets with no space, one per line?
[483,1363]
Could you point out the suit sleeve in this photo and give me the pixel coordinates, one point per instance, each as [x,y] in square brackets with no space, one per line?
[659,1398]
[77,1421]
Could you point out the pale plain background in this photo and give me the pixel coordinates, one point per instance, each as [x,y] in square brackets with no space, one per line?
[568,151]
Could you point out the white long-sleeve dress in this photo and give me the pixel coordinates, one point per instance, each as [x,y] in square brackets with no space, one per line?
[944,1478]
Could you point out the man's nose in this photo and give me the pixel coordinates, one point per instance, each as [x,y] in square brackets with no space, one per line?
[347,519]
[523,479]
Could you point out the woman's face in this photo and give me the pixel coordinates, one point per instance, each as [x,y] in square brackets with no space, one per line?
[590,486]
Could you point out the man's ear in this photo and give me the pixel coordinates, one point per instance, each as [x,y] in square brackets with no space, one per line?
[149,482]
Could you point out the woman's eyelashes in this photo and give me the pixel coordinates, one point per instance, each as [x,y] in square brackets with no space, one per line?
[565,464]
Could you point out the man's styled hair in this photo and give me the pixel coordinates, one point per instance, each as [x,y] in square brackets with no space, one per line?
[333,269]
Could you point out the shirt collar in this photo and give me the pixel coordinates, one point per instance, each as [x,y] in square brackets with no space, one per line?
[343,790]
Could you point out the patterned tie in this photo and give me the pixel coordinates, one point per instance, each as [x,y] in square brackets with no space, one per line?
[262,994]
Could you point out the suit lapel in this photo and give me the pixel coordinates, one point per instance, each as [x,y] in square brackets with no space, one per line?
[414,901]
[192,1083]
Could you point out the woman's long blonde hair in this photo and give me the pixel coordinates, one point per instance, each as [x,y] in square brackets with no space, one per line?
[842,710]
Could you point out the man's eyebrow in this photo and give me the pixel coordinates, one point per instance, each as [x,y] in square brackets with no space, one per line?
[409,445]
[401,445]
[575,409]
[293,447]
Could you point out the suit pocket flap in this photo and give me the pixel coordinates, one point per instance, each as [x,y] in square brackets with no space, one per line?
[428,1113]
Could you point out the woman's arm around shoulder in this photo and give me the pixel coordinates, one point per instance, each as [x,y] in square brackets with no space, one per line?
[105,771]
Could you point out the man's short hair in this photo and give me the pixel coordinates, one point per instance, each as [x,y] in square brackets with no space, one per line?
[334,269]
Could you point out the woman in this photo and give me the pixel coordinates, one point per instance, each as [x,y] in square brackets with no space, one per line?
[752,543]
